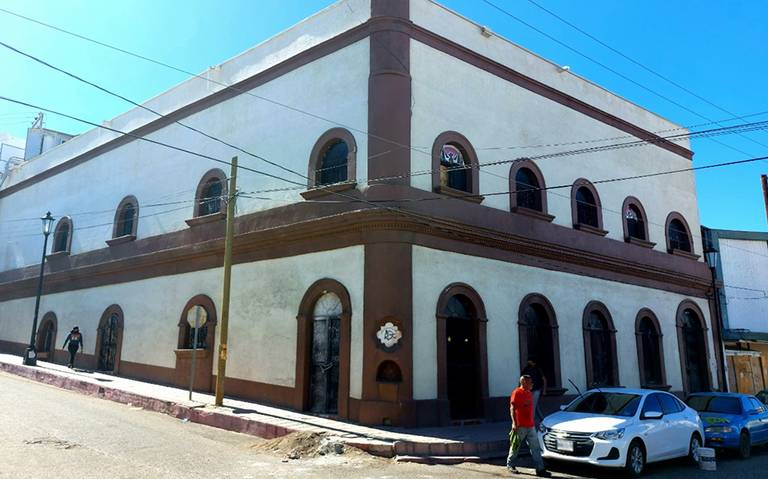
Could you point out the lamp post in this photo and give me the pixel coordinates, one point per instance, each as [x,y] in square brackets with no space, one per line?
[712,256]
[30,355]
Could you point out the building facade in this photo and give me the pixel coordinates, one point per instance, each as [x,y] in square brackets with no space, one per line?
[743,304]
[450,221]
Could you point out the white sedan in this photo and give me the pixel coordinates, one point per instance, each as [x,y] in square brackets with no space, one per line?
[617,427]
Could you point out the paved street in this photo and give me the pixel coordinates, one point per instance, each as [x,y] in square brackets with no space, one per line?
[49,431]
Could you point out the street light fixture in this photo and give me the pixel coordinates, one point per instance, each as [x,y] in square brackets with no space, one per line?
[30,355]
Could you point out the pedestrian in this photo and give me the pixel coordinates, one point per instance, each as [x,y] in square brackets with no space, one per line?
[523,429]
[539,386]
[75,340]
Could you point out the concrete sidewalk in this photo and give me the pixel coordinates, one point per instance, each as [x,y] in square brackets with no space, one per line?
[429,445]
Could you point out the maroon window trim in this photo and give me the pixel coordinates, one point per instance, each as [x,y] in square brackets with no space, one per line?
[473,173]
[684,305]
[65,220]
[118,223]
[534,169]
[522,329]
[210,309]
[318,151]
[602,309]
[647,313]
[210,174]
[113,309]
[646,242]
[597,230]
[677,216]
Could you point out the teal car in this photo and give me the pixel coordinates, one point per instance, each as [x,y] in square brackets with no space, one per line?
[731,420]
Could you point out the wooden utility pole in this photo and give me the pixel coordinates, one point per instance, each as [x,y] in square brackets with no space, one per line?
[764,180]
[231,195]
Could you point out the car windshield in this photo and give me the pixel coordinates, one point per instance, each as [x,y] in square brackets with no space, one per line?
[719,404]
[607,403]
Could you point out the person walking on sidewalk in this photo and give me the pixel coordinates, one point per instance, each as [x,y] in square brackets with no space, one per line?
[75,340]
[539,386]
[523,429]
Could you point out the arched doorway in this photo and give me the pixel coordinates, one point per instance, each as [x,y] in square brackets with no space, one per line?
[109,339]
[538,337]
[600,346]
[323,348]
[198,306]
[692,341]
[462,366]
[46,337]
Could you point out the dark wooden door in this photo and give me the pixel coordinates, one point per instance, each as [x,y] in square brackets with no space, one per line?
[695,357]
[463,368]
[324,380]
[109,344]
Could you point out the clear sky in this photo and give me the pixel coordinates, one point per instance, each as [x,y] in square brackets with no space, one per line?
[716,49]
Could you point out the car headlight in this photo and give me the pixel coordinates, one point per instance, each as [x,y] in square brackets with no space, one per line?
[610,435]
[718,429]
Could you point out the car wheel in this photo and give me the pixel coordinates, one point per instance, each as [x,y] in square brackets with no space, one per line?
[635,459]
[695,444]
[745,445]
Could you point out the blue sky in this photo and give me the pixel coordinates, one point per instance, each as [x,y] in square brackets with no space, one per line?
[718,50]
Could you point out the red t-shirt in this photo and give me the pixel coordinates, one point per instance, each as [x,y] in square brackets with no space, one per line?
[522,400]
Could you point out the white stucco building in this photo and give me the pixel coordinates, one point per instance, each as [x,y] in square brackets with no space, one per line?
[481,232]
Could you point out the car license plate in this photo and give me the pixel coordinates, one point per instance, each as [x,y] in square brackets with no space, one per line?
[565,445]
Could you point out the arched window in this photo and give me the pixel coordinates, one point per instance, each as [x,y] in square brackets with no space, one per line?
[62,236]
[126,219]
[527,190]
[635,223]
[202,309]
[211,193]
[46,337]
[109,339]
[455,167]
[692,345]
[600,346]
[650,350]
[586,208]
[462,367]
[332,161]
[678,235]
[538,336]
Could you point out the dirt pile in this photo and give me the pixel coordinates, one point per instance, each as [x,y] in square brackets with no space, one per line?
[304,445]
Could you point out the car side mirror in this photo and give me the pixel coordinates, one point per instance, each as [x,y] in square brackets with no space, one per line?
[563,407]
[652,415]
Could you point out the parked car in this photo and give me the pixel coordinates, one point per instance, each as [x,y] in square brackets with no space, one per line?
[731,420]
[763,396]
[621,428]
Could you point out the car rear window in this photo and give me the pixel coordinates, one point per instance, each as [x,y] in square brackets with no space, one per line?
[609,404]
[724,405]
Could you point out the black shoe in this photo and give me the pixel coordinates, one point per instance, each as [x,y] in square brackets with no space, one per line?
[543,473]
[512,469]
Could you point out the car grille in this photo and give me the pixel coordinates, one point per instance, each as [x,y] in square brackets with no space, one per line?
[582,442]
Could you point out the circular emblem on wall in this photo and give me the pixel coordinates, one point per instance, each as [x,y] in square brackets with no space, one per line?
[389,335]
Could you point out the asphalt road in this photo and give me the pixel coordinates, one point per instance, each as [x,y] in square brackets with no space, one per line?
[49,432]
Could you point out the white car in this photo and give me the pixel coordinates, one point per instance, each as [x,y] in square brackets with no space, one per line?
[621,428]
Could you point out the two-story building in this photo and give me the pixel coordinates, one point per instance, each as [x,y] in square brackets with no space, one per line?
[450,223]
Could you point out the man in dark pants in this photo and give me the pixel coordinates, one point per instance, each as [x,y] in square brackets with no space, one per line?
[539,385]
[75,340]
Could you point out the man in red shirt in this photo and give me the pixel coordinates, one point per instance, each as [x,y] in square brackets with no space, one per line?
[523,428]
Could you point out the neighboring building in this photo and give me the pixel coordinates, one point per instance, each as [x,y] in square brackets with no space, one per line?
[742,273]
[419,311]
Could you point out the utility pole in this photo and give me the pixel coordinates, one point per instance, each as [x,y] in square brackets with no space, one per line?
[231,195]
[764,181]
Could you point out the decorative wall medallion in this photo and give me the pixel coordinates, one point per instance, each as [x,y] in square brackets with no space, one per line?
[389,335]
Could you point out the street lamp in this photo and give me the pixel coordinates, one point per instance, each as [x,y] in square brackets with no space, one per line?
[712,256]
[30,355]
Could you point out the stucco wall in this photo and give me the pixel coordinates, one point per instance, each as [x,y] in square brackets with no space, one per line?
[335,86]
[264,304]
[745,263]
[502,287]
[504,122]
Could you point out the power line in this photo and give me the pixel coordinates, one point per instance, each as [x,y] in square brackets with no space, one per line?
[644,67]
[606,67]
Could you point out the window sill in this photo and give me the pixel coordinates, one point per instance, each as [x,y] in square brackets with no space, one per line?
[590,229]
[684,254]
[325,190]
[120,240]
[464,195]
[199,220]
[57,255]
[657,387]
[539,215]
[640,242]
[187,353]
